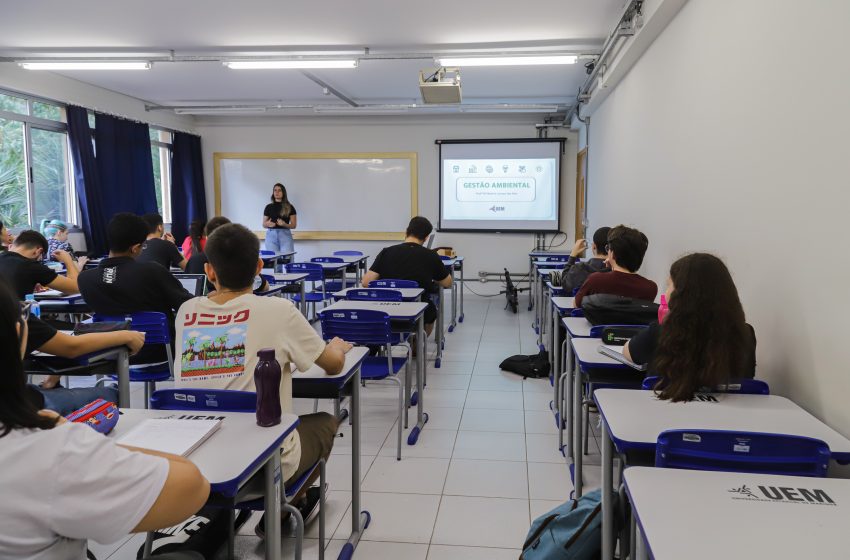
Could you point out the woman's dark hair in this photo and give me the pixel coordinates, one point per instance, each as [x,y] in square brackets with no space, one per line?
[286,207]
[704,340]
[17,410]
[196,232]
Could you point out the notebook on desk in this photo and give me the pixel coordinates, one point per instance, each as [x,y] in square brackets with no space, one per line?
[170,435]
[616,353]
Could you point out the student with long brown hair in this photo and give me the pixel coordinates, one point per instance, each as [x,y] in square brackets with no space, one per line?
[704,339]
[279,219]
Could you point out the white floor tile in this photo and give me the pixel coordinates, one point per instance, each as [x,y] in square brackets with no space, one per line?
[543,448]
[443,552]
[412,475]
[537,401]
[531,385]
[439,418]
[338,470]
[452,381]
[451,367]
[500,382]
[540,507]
[337,504]
[496,446]
[487,368]
[488,479]
[498,400]
[444,397]
[431,443]
[549,481]
[494,522]
[405,518]
[371,439]
[487,420]
[540,422]
[376,550]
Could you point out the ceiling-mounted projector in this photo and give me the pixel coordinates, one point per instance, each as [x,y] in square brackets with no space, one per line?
[441,86]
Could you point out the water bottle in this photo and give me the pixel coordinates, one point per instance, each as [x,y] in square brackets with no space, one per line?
[267,381]
[35,307]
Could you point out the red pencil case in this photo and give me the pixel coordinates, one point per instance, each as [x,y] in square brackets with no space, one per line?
[101,415]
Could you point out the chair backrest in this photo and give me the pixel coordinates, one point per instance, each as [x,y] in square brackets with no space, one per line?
[153,323]
[750,452]
[373,294]
[445,258]
[739,386]
[359,326]
[264,254]
[555,258]
[393,283]
[314,271]
[575,291]
[204,399]
[349,253]
[327,260]
[577,312]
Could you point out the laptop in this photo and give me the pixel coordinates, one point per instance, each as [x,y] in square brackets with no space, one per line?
[195,284]
[430,240]
[616,353]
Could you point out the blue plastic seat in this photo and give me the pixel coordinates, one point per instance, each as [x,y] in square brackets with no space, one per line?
[393,283]
[157,333]
[555,258]
[316,276]
[218,400]
[373,294]
[332,286]
[366,327]
[739,386]
[748,452]
[349,253]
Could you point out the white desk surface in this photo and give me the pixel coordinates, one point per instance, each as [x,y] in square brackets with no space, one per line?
[276,255]
[549,254]
[449,262]
[353,358]
[406,293]
[350,259]
[334,265]
[285,277]
[587,353]
[228,453]
[565,303]
[746,413]
[577,326]
[56,295]
[696,515]
[396,309]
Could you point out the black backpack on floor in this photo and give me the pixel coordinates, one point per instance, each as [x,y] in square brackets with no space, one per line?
[535,365]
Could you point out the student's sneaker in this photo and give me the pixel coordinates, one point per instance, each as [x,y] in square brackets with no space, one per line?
[308,507]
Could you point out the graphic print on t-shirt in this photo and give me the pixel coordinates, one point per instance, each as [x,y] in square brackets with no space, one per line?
[213,346]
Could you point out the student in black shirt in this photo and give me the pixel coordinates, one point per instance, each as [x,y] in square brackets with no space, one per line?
[159,247]
[279,219]
[21,266]
[411,261]
[704,339]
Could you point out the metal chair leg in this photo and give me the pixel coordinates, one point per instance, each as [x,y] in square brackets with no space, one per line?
[322,474]
[299,527]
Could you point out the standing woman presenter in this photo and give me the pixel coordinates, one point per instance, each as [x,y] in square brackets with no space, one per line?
[279,219]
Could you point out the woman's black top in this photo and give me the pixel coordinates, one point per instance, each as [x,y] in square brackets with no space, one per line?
[274,211]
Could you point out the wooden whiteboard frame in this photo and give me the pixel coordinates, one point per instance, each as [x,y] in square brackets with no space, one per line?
[347,235]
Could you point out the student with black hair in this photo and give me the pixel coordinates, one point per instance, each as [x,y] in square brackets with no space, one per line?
[5,237]
[244,324]
[159,246]
[575,271]
[626,249]
[199,258]
[195,241]
[411,261]
[64,483]
[21,266]
[703,340]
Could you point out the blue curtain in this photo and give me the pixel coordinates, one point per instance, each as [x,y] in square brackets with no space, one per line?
[125,165]
[188,197]
[87,179]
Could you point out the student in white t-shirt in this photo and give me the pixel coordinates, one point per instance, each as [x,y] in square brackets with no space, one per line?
[218,338]
[64,483]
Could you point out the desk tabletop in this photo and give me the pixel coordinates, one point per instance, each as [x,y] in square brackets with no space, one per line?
[587,353]
[353,359]
[407,294]
[577,326]
[231,454]
[56,295]
[397,309]
[334,265]
[703,515]
[549,253]
[564,304]
[710,411]
[266,257]
[285,277]
[350,259]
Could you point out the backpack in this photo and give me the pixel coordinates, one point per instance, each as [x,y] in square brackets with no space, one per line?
[535,365]
[608,309]
[573,277]
[204,533]
[571,531]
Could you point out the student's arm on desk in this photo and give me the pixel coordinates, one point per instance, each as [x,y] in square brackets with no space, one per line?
[67,346]
[71,269]
[370,276]
[445,282]
[332,358]
[64,284]
[184,493]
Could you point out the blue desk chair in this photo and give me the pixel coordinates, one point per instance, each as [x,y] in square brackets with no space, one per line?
[555,258]
[373,294]
[333,285]
[315,273]
[216,400]
[157,333]
[367,327]
[577,312]
[739,386]
[393,283]
[349,253]
[748,452]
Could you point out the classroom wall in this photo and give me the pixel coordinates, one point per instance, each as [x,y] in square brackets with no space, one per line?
[485,252]
[729,135]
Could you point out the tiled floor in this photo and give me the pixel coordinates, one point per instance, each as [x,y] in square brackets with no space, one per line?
[486,464]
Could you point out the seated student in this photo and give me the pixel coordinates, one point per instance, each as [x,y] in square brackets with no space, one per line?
[159,246]
[703,340]
[195,241]
[411,261]
[56,232]
[199,258]
[5,237]
[626,248]
[250,323]
[21,267]
[576,272]
[64,483]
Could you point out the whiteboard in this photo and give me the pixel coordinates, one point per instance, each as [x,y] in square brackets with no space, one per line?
[336,195]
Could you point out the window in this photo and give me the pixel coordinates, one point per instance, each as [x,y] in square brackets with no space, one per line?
[161,155]
[13,175]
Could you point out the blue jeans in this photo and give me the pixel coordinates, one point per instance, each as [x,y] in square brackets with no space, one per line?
[279,240]
[65,401]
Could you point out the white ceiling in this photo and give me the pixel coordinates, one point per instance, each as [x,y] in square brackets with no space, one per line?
[216,27]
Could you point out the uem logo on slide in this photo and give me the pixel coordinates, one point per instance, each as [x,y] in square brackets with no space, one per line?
[783,494]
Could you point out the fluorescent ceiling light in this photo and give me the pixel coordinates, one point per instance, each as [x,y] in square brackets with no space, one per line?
[78,65]
[508,60]
[217,110]
[277,64]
